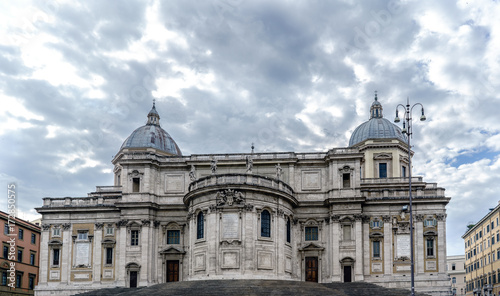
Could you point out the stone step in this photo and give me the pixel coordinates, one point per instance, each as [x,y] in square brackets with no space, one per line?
[254,288]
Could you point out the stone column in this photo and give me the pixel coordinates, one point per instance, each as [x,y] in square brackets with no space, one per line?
[156,255]
[249,234]
[97,253]
[337,273]
[146,256]
[279,239]
[66,254]
[214,219]
[44,255]
[121,247]
[388,258]
[366,246]
[441,243]
[419,246]
[359,250]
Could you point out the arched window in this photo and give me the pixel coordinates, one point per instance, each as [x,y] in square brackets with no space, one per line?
[288,230]
[199,226]
[265,224]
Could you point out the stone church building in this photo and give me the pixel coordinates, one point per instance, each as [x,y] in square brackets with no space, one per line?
[333,216]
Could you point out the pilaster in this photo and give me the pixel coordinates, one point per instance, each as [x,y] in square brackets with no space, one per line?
[337,272]
[388,258]
[97,253]
[67,255]
[359,250]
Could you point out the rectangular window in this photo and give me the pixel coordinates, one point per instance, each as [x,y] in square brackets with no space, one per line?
[430,223]
[55,257]
[134,237]
[4,278]
[5,252]
[136,184]
[56,231]
[347,232]
[403,171]
[173,237]
[109,255]
[346,180]
[31,285]
[492,225]
[453,266]
[83,235]
[33,238]
[21,234]
[375,224]
[6,229]
[376,249]
[32,258]
[430,247]
[20,255]
[311,233]
[487,228]
[109,230]
[19,277]
[382,170]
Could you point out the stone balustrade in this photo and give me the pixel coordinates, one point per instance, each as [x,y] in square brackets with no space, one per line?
[235,179]
[402,180]
[56,202]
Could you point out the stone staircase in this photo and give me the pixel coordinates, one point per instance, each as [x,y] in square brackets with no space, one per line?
[254,288]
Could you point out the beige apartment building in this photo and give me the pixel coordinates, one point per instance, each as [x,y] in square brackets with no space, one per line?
[482,255]
[456,271]
[333,216]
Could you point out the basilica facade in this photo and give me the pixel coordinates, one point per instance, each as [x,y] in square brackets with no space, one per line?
[333,216]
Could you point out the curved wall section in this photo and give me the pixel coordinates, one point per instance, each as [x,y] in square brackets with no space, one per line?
[243,229]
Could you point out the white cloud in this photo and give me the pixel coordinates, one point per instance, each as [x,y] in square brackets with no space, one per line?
[247,72]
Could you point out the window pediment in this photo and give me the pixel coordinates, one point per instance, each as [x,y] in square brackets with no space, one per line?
[311,247]
[376,235]
[172,251]
[430,233]
[382,156]
[55,242]
[132,265]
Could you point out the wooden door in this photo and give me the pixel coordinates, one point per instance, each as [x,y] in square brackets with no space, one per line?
[133,279]
[347,274]
[312,269]
[172,270]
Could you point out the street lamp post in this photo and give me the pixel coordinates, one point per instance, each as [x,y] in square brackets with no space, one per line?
[409,132]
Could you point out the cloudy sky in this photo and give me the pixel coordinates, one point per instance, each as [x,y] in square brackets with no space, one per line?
[76,78]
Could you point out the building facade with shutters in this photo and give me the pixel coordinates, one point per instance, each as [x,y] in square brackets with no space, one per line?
[20,256]
[482,255]
[333,216]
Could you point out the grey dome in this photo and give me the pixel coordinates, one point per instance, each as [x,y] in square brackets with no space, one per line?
[152,135]
[377,127]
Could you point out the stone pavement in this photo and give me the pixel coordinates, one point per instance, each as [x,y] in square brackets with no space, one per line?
[254,288]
